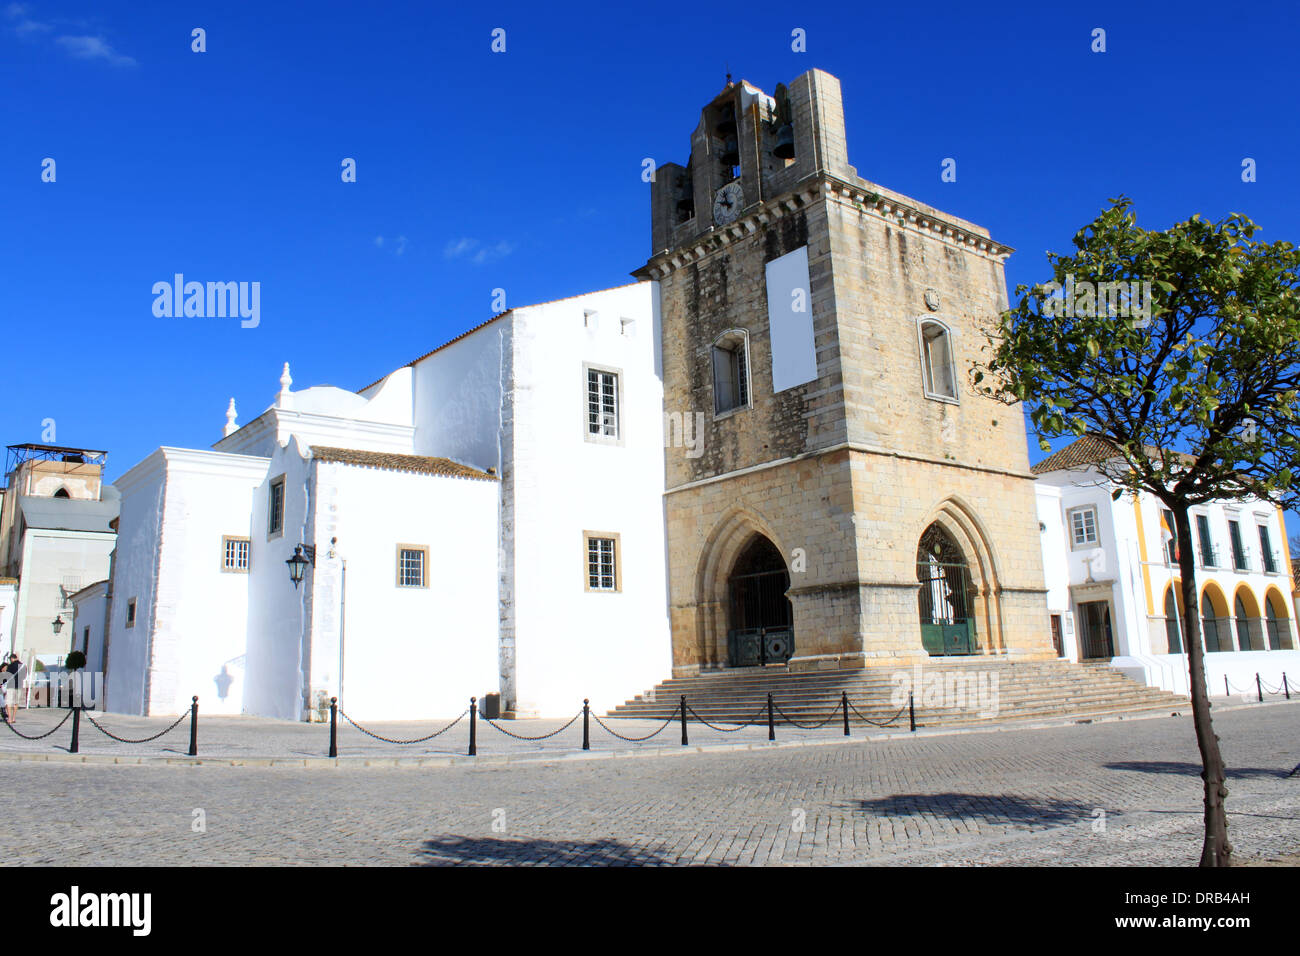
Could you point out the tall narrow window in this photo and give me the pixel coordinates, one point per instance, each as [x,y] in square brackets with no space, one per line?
[1207,543]
[130,612]
[602,403]
[1266,550]
[1171,544]
[936,361]
[730,372]
[602,562]
[275,507]
[1239,562]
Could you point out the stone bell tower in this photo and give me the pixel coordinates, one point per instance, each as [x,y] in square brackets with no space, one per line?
[850,499]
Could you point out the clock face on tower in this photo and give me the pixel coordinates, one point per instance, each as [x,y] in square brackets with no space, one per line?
[727,203]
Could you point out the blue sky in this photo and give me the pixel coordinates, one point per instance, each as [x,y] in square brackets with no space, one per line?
[521,170]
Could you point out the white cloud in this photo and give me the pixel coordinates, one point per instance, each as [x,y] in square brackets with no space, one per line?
[477,252]
[93,48]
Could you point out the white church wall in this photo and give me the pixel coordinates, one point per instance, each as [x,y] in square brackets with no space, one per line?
[201,610]
[275,665]
[134,572]
[408,652]
[572,643]
[457,398]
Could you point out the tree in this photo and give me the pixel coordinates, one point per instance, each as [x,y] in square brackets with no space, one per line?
[1180,348]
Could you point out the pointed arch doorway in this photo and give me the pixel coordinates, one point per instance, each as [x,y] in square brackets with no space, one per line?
[946,597]
[760,618]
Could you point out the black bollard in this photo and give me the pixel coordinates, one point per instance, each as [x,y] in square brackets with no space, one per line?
[771,724]
[586,727]
[194,727]
[1259,688]
[682,705]
[844,705]
[76,729]
[911,712]
[1226,691]
[473,726]
[334,726]
[1286,690]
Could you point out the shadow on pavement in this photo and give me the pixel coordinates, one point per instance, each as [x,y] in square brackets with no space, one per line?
[485,851]
[1192,769]
[1005,809]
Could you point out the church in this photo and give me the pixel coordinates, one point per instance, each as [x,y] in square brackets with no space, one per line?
[766,451]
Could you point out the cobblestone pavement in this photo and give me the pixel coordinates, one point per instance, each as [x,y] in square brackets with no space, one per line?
[1109,793]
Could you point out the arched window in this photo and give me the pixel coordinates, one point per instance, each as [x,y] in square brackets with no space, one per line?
[1250,636]
[1217,638]
[1173,623]
[937,369]
[1276,625]
[62,493]
[731,371]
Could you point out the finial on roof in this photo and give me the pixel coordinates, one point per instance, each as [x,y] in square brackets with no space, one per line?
[282,400]
[231,427]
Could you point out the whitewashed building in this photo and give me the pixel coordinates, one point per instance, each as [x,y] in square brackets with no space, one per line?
[1114,591]
[485,519]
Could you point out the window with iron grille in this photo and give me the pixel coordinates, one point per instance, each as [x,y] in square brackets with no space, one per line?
[1083,527]
[602,564]
[730,372]
[411,562]
[602,403]
[1171,546]
[234,554]
[1239,560]
[275,507]
[1266,550]
[1207,542]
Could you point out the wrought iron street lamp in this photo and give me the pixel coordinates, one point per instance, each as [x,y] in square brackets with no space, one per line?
[298,563]
[57,624]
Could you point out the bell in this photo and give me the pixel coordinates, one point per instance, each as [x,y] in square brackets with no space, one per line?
[727,120]
[784,148]
[730,152]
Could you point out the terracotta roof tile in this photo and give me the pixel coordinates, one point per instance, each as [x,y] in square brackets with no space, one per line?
[1090,450]
[393,462]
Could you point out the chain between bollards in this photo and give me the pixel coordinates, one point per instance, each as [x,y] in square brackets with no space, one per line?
[194,726]
[334,726]
[473,726]
[586,724]
[683,706]
[911,712]
[844,706]
[771,723]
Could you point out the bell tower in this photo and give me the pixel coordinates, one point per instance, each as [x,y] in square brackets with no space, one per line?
[821,329]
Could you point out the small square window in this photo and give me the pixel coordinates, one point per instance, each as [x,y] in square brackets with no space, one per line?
[412,562]
[628,327]
[603,572]
[1083,527]
[234,554]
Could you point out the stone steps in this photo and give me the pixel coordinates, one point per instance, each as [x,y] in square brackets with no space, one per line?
[1025,690]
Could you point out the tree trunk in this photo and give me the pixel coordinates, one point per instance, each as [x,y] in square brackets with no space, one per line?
[1216,850]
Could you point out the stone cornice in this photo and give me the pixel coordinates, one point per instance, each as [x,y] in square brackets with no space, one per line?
[893,209]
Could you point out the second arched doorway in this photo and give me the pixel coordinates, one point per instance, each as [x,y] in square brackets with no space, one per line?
[760,619]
